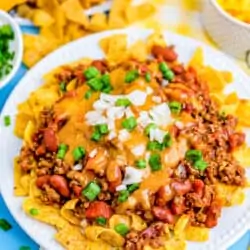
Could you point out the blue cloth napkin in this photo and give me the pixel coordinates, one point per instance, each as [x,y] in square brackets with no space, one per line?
[16,238]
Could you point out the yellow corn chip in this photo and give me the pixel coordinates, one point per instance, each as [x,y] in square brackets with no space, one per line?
[8,5]
[42,18]
[98,22]
[74,12]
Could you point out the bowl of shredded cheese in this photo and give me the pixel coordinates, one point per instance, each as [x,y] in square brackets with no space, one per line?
[11,48]
[228,24]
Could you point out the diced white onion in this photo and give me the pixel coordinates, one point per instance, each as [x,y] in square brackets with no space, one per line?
[93,153]
[144,119]
[164,83]
[121,187]
[179,125]
[156,99]
[95,117]
[138,150]
[112,134]
[77,167]
[161,114]
[132,175]
[149,90]
[129,113]
[100,105]
[137,97]
[115,112]
[157,135]
[123,135]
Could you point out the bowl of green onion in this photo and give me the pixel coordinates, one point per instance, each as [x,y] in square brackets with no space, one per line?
[11,48]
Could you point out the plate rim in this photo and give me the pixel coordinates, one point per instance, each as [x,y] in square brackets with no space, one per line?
[64,48]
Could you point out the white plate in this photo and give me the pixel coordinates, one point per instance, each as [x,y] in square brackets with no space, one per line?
[91,11]
[234,221]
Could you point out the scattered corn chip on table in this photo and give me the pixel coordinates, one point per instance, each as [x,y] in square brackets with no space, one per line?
[181,16]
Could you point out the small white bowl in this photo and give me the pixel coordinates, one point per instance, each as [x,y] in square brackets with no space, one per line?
[16,45]
[232,35]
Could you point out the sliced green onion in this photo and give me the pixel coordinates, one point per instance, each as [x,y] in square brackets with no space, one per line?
[131,76]
[125,102]
[91,72]
[24,248]
[168,75]
[96,136]
[62,150]
[7,120]
[91,191]
[78,153]
[149,127]
[141,164]
[167,141]
[121,229]
[102,128]
[105,80]
[107,89]
[95,84]
[154,145]
[155,162]
[163,67]
[148,77]
[5,225]
[63,87]
[175,107]
[34,211]
[193,155]
[133,187]
[123,196]
[88,94]
[200,165]
[101,221]
[129,123]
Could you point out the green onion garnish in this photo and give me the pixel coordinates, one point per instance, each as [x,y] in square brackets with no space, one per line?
[125,102]
[121,229]
[78,153]
[5,225]
[147,77]
[7,120]
[155,162]
[149,127]
[141,164]
[175,107]
[101,221]
[133,187]
[129,123]
[131,76]
[88,94]
[62,150]
[200,165]
[91,72]
[34,211]
[91,191]
[123,196]
[193,155]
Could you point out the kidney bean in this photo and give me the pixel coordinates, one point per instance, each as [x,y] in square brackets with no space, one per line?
[178,205]
[164,194]
[212,215]
[163,214]
[50,139]
[178,69]
[42,180]
[198,186]
[181,188]
[167,53]
[98,209]
[59,183]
